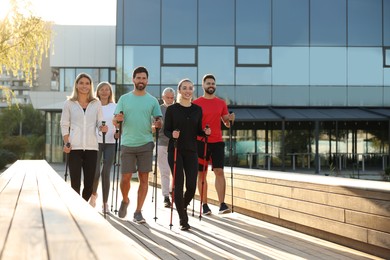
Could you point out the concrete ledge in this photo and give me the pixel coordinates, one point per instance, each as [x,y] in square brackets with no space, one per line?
[352,212]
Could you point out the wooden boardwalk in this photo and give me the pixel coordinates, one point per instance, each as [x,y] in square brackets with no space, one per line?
[230,236]
[226,236]
[26,218]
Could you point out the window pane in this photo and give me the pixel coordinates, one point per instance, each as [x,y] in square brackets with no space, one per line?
[365,66]
[119,65]
[119,21]
[216,24]
[172,75]
[253,22]
[365,22]
[387,57]
[387,78]
[328,96]
[253,56]
[253,76]
[290,95]
[328,66]
[218,61]
[145,28]
[179,22]
[154,90]
[179,56]
[290,66]
[224,92]
[363,96]
[147,56]
[290,20]
[328,22]
[103,75]
[386,22]
[62,80]
[112,76]
[253,95]
[70,76]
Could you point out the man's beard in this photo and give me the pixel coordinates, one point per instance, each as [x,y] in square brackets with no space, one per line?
[140,87]
[210,90]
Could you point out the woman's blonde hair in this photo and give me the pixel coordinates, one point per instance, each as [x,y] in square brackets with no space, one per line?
[75,95]
[111,98]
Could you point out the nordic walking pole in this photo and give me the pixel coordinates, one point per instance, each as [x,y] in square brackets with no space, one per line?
[193,206]
[102,178]
[155,176]
[113,177]
[119,164]
[203,173]
[174,178]
[231,158]
[66,162]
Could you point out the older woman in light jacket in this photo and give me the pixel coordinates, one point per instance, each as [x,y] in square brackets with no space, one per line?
[81,117]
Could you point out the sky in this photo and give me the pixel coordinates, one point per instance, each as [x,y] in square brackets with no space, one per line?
[71,12]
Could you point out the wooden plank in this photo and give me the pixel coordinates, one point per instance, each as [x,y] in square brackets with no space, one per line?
[63,234]
[26,225]
[48,220]
[8,199]
[103,240]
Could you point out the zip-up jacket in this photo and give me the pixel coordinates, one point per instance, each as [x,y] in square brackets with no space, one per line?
[81,126]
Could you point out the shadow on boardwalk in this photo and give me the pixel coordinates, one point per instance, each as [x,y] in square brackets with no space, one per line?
[227,236]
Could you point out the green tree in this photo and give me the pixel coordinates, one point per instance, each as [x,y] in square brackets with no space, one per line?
[24,39]
[27,121]
[33,121]
[9,121]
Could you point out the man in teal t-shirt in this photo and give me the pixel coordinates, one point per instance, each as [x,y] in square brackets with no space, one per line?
[136,111]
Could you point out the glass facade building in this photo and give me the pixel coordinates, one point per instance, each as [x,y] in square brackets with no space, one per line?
[273,54]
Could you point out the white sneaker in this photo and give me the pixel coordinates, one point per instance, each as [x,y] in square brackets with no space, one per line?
[92,200]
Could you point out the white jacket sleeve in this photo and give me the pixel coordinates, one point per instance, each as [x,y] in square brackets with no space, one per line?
[65,118]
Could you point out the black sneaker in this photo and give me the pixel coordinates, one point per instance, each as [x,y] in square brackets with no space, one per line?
[185,227]
[206,209]
[224,208]
[167,202]
[138,218]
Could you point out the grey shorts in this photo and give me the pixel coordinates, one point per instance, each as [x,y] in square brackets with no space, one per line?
[138,158]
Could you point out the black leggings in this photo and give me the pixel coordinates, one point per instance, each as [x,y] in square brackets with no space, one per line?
[85,159]
[186,163]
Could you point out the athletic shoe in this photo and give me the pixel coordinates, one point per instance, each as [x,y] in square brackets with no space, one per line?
[167,202]
[92,200]
[224,208]
[138,218]
[185,227]
[123,209]
[206,209]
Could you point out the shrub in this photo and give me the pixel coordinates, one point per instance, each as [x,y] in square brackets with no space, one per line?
[16,144]
[6,157]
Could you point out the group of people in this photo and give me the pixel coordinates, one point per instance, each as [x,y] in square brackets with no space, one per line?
[189,132]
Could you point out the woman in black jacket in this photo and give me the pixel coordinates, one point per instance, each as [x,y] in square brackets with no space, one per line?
[183,123]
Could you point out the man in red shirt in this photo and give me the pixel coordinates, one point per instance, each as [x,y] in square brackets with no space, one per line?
[214,111]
